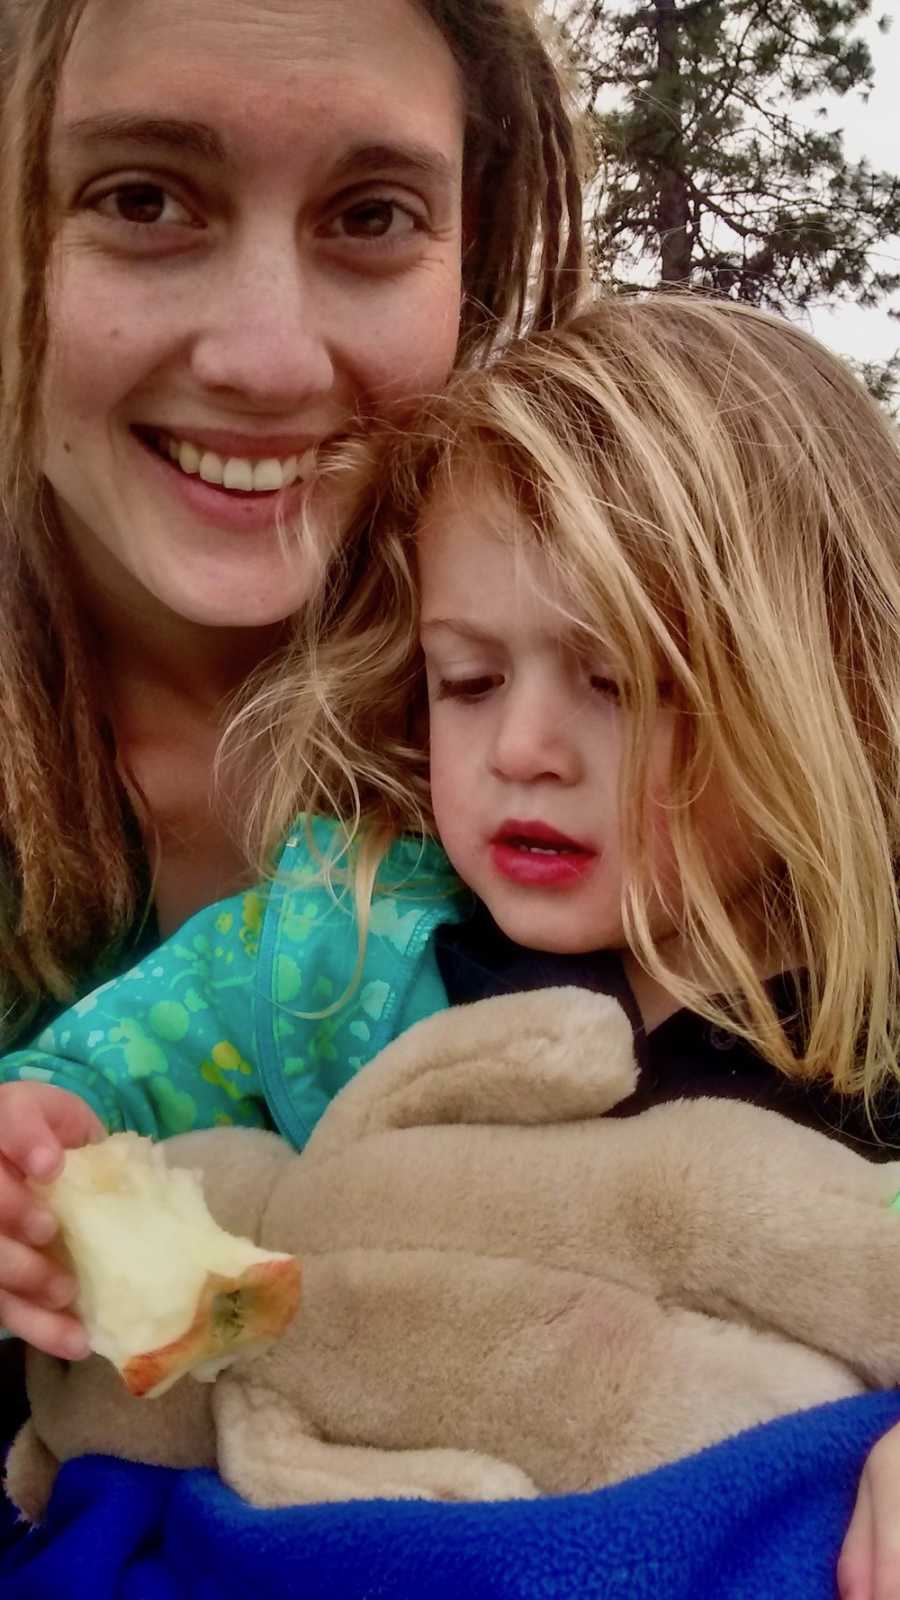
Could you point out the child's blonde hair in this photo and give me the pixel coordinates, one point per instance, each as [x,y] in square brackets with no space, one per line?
[721,501]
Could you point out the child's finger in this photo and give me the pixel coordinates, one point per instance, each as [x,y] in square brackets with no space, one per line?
[71,1119]
[46,1122]
[886,1579]
[855,1565]
[27,1273]
[29,1143]
[869,1567]
[20,1209]
[54,1332]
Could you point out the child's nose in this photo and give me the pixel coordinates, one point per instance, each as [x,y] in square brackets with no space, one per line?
[535,742]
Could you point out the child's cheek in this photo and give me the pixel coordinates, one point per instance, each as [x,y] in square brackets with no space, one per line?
[447,777]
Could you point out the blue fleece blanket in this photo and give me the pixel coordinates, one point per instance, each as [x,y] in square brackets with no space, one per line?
[760,1517]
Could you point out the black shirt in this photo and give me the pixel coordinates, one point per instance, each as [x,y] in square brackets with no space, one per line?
[685,1057]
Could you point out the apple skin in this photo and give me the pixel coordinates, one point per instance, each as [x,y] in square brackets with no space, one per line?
[263,1301]
[162,1289]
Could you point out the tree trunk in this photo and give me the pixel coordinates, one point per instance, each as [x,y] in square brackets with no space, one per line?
[673,213]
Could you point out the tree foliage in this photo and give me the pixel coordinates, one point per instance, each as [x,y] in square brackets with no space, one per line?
[711,166]
[882,379]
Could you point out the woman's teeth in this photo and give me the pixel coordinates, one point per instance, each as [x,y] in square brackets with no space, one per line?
[237,472]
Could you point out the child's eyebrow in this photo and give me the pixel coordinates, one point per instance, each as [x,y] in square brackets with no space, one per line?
[569,636]
[463,630]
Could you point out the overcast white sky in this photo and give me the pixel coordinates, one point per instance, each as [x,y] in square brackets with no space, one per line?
[871,129]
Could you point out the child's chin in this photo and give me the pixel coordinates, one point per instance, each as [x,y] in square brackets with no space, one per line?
[548,933]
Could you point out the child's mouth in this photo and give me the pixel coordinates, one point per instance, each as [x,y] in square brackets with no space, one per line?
[534,853]
[539,849]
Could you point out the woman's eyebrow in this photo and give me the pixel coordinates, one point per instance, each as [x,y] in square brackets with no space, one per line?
[420,160]
[128,128]
[197,138]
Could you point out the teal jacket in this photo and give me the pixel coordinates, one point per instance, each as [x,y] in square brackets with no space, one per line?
[254,1012]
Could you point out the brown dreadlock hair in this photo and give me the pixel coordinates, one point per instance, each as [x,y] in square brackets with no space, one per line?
[71,878]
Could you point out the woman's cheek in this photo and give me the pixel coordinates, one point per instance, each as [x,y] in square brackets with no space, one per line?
[412,344]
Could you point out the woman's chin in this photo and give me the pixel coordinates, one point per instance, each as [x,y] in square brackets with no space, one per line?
[245,608]
[213,592]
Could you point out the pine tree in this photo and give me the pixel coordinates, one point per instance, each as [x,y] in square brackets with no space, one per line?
[712,169]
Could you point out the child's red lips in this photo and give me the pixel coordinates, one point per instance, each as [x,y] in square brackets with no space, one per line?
[538,834]
[535,856]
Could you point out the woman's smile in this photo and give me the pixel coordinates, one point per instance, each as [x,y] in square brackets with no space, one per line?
[244,484]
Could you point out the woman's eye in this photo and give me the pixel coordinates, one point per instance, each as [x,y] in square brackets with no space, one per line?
[373,219]
[144,204]
[474,688]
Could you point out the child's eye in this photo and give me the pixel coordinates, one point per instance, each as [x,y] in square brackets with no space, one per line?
[607,687]
[474,688]
[611,689]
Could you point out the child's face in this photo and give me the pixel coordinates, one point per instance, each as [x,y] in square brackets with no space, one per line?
[527,739]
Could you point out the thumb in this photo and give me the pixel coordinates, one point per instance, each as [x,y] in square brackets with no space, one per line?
[58,1121]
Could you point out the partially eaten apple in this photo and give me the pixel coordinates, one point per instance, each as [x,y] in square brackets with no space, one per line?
[162,1289]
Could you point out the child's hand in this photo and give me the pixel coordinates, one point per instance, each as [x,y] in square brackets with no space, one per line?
[38,1123]
[869,1567]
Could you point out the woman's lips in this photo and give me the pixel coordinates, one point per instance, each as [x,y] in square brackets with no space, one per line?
[226,509]
[536,855]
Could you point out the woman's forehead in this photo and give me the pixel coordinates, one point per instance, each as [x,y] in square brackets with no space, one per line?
[301,65]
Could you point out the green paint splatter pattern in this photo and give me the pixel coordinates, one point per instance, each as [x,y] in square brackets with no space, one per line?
[172,1045]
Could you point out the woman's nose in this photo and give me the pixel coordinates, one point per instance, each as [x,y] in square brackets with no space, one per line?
[262,336]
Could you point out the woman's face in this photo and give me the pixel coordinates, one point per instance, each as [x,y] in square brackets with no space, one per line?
[259,239]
